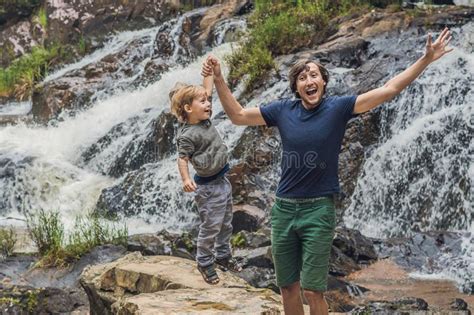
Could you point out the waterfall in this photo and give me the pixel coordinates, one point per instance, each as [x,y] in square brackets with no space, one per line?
[419,177]
[42,167]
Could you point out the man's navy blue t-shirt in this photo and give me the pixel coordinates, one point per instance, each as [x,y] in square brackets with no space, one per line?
[311,142]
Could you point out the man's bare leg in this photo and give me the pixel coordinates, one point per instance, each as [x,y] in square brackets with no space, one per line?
[317,302]
[292,303]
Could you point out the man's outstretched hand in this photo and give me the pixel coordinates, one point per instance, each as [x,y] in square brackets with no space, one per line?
[211,67]
[436,50]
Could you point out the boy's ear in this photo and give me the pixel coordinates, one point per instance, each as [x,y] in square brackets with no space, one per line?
[187,108]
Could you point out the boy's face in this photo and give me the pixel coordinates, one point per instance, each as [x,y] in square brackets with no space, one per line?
[200,109]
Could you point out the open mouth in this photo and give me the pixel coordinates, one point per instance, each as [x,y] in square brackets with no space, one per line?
[209,111]
[311,91]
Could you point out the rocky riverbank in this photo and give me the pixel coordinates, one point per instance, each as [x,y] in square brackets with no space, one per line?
[160,267]
[96,152]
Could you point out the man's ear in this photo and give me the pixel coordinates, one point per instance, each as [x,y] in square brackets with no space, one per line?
[187,108]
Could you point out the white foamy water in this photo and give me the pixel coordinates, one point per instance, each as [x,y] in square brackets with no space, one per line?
[419,177]
[15,108]
[114,45]
[45,160]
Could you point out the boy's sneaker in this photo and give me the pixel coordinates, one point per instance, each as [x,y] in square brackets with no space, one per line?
[229,263]
[209,274]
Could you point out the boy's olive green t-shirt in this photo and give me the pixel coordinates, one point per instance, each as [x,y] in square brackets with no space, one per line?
[202,144]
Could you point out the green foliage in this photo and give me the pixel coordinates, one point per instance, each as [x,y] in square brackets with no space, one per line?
[282,27]
[32,301]
[82,46]
[92,231]
[253,61]
[8,241]
[47,232]
[42,18]
[238,240]
[19,78]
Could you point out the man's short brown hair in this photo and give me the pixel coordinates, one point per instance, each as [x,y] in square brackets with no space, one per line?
[184,94]
[301,66]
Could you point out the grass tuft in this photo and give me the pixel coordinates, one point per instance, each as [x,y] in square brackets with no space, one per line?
[8,241]
[55,249]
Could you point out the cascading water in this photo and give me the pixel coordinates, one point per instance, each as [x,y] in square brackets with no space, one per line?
[420,175]
[43,167]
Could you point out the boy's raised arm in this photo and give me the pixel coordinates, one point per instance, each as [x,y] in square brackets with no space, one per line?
[237,114]
[207,83]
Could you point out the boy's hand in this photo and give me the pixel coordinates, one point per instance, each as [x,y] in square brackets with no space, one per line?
[206,68]
[189,185]
[211,66]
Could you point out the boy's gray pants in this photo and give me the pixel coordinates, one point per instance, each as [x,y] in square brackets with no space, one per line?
[214,203]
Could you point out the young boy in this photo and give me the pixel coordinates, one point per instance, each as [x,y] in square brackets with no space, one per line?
[199,143]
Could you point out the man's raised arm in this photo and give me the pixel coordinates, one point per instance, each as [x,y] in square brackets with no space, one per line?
[237,114]
[397,84]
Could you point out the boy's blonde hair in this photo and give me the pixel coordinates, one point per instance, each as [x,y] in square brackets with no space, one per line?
[181,95]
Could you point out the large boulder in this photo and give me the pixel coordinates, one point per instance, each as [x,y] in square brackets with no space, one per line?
[248,218]
[161,284]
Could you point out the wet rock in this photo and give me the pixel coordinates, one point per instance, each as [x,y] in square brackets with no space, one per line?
[255,239]
[253,177]
[153,146]
[345,287]
[361,134]
[14,267]
[260,277]
[18,299]
[79,88]
[244,7]
[459,305]
[149,244]
[136,284]
[423,251]
[401,306]
[146,193]
[12,11]
[247,218]
[341,264]
[69,277]
[350,250]
[10,170]
[257,257]
[353,244]
[53,98]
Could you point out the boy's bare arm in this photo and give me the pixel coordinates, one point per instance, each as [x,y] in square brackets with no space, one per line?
[188,184]
[208,83]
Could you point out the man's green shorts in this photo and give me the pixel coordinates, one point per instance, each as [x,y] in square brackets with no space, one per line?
[302,234]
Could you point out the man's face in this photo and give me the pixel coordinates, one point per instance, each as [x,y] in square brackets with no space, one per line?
[310,85]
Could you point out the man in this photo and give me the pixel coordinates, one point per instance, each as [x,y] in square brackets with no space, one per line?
[311,128]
